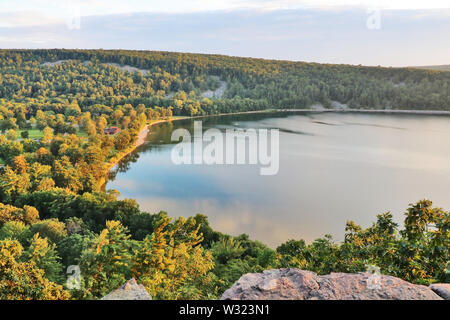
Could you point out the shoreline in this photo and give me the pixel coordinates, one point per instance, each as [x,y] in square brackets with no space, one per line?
[348,110]
[140,141]
[381,111]
[146,130]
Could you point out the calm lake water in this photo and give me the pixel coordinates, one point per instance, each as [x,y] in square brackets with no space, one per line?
[334,167]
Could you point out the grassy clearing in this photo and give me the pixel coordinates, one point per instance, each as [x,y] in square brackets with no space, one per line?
[38,134]
[81,133]
[32,133]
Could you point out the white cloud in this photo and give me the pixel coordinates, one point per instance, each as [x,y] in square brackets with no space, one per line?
[26,13]
[327,35]
[385,4]
[27,19]
[58,9]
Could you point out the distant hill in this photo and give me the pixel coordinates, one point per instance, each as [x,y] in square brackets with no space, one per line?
[190,83]
[443,67]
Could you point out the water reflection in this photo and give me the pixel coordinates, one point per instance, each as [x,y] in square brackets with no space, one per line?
[357,167]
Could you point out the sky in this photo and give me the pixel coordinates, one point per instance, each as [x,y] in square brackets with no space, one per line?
[368,32]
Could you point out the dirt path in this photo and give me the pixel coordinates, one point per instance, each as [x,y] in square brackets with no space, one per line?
[142,135]
[140,141]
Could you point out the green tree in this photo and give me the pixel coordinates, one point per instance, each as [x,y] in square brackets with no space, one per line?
[171,264]
[24,280]
[12,134]
[48,135]
[44,255]
[106,265]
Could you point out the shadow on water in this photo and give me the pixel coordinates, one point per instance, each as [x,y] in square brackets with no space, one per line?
[328,174]
[160,134]
[373,125]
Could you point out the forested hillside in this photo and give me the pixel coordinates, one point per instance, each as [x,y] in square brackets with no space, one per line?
[54,107]
[444,67]
[267,83]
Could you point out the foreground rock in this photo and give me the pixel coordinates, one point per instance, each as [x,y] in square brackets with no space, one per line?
[442,289]
[295,284]
[129,291]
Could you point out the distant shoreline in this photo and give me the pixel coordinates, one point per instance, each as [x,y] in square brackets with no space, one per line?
[417,112]
[420,112]
[395,111]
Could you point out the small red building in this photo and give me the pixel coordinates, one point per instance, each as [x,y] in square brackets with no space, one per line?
[111,130]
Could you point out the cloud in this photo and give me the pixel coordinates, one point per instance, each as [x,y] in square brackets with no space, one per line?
[27,19]
[59,8]
[405,37]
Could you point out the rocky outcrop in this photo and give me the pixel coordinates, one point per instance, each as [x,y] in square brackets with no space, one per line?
[129,291]
[295,284]
[442,289]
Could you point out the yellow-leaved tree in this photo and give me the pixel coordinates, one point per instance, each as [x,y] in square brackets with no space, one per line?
[24,280]
[27,215]
[171,263]
[105,266]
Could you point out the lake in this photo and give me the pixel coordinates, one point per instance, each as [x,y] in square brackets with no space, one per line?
[333,167]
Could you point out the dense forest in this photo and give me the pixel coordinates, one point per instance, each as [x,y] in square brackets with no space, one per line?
[54,107]
[252,83]
[443,67]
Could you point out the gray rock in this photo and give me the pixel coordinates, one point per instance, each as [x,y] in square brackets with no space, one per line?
[295,284]
[442,289]
[129,291]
